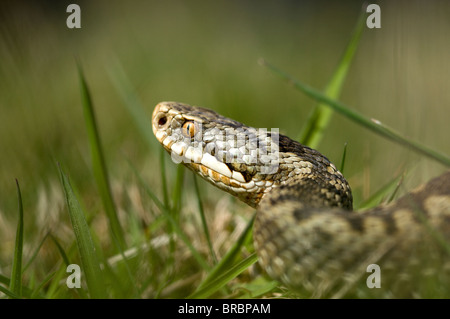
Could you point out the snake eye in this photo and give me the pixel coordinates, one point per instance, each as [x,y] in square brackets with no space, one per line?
[189,129]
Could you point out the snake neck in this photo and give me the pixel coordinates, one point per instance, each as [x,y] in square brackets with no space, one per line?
[310,192]
[317,184]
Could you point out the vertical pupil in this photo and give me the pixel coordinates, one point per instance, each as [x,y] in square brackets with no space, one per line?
[189,129]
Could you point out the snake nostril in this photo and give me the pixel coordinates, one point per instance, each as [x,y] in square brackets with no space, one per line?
[162,121]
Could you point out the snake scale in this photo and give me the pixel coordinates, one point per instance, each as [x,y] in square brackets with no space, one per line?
[305,232]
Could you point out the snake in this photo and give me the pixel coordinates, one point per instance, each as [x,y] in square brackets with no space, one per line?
[305,232]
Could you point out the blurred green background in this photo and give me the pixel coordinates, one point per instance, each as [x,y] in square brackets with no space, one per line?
[205,53]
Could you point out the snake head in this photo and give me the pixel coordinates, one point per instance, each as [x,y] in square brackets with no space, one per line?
[236,158]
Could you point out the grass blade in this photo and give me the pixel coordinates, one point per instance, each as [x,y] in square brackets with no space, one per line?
[162,163]
[60,250]
[229,259]
[177,230]
[99,164]
[230,274]
[177,192]
[344,155]
[258,287]
[16,273]
[320,116]
[371,124]
[42,284]
[9,293]
[384,192]
[174,227]
[26,292]
[395,190]
[86,249]
[133,104]
[36,251]
[54,286]
[203,218]
[161,206]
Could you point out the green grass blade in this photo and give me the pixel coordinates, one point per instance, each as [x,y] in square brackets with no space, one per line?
[384,192]
[60,250]
[99,163]
[61,273]
[229,259]
[9,293]
[344,155]
[42,284]
[203,218]
[257,287]
[371,124]
[56,287]
[86,248]
[230,274]
[26,292]
[36,251]
[177,192]
[16,272]
[178,231]
[395,190]
[133,104]
[320,116]
[174,226]
[161,206]
[162,163]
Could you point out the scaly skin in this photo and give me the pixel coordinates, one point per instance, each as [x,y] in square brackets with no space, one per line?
[305,233]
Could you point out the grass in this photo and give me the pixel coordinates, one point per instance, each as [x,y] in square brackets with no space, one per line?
[86,249]
[99,165]
[371,124]
[139,226]
[313,130]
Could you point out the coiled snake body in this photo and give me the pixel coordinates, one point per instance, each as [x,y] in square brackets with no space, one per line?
[305,232]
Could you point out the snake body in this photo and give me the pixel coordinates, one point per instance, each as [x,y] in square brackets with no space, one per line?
[305,232]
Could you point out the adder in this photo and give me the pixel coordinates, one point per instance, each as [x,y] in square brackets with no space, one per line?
[305,232]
